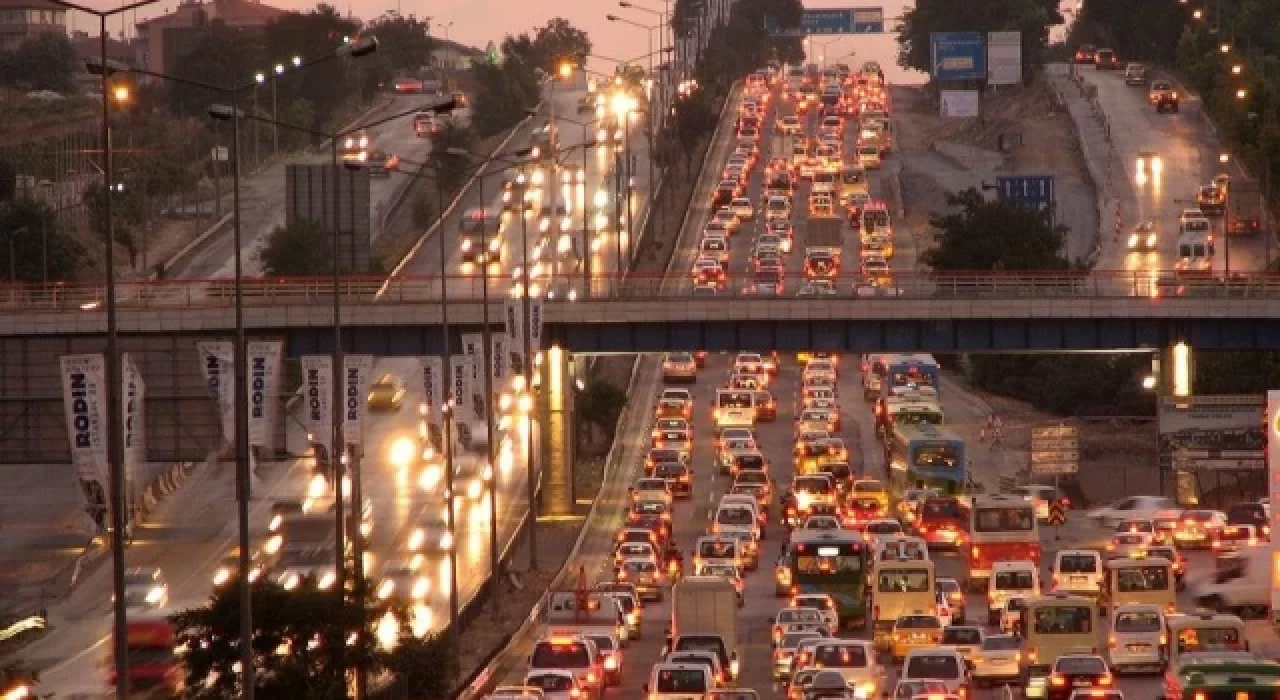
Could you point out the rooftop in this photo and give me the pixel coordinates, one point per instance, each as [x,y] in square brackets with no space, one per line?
[30,5]
[230,11]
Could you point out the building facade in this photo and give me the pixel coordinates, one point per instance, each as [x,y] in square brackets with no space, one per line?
[23,19]
[164,40]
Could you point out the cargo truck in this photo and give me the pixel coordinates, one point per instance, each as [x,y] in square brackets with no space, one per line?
[704,617]
[823,246]
[1245,208]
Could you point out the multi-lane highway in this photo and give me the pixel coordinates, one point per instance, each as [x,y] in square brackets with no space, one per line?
[964,412]
[1189,155]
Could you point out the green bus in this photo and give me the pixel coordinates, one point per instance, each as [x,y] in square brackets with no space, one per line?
[828,561]
[1224,680]
[925,456]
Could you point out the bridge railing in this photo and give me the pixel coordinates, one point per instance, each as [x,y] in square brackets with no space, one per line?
[220,293]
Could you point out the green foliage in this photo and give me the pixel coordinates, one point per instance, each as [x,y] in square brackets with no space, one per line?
[451,170]
[404,44]
[297,250]
[1068,384]
[694,120]
[127,213]
[987,235]
[224,56]
[327,85]
[600,404]
[46,61]
[557,41]
[1235,372]
[1032,17]
[504,91]
[1146,31]
[36,235]
[297,633]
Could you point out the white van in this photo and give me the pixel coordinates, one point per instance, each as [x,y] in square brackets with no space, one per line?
[1241,583]
[1078,572]
[1009,579]
[677,681]
[855,659]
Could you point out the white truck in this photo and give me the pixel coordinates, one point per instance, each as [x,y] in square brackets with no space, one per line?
[704,617]
[566,615]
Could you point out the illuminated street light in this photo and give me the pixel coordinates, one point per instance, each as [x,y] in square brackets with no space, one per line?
[120,93]
[1241,94]
[1237,69]
[1149,382]
[1224,157]
[1225,48]
[1197,13]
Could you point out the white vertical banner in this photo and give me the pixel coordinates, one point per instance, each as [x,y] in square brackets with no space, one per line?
[535,325]
[132,403]
[264,357]
[357,377]
[1273,490]
[1004,58]
[515,334]
[473,347]
[500,362]
[84,396]
[433,387]
[217,360]
[460,385]
[317,398]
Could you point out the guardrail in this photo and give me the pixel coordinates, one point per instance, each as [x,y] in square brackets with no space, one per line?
[361,291]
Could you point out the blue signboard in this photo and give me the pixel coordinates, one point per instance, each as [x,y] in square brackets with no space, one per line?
[842,20]
[957,56]
[1034,191]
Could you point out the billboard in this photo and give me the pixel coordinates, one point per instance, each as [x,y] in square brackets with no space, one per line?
[309,196]
[957,56]
[1208,433]
[1004,58]
[834,20]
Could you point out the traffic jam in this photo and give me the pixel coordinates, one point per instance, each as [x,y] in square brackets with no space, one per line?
[806,525]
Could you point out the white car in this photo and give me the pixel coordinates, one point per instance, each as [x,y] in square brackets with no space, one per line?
[1128,544]
[998,659]
[741,208]
[1011,614]
[790,124]
[796,619]
[556,684]
[822,602]
[1134,507]
[945,665]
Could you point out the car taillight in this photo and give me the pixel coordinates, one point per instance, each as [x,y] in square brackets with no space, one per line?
[1111,641]
[1057,681]
[1104,680]
[975,551]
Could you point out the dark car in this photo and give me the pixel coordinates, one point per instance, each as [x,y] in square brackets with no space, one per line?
[1072,672]
[679,478]
[724,194]
[1105,59]
[1085,53]
[1163,95]
[1249,514]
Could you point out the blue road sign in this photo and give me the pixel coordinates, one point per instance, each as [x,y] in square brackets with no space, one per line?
[1034,191]
[957,56]
[841,20]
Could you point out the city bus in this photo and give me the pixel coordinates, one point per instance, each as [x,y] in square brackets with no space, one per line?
[828,561]
[907,408]
[1251,679]
[1001,528]
[919,374]
[1054,625]
[925,456]
[1205,636]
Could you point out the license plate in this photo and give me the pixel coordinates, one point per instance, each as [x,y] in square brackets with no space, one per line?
[1000,659]
[1078,579]
[1139,647]
[1081,684]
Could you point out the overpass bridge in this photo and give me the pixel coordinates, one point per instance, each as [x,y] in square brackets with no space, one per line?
[928,312]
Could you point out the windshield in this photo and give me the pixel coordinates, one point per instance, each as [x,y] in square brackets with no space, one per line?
[813,485]
[681,681]
[734,399]
[961,635]
[551,655]
[853,177]
[933,666]
[918,622]
[903,581]
[1136,579]
[1143,621]
[840,655]
[936,456]
[868,487]
[940,508]
[550,682]
[1005,519]
[1001,643]
[876,217]
[1063,619]
[735,516]
[1016,580]
[884,527]
[1078,564]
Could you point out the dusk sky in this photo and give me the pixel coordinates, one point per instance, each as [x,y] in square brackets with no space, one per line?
[476,22]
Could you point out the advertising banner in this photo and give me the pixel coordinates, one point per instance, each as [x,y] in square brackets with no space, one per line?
[460,385]
[317,398]
[959,103]
[84,395]
[433,388]
[535,325]
[501,362]
[357,378]
[473,348]
[132,408]
[1199,433]
[1004,58]
[264,357]
[515,334]
[217,360]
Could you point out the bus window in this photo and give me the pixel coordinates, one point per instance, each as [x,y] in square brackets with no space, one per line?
[1004,519]
[1197,639]
[1144,578]
[1063,619]
[903,581]
[827,562]
[936,456]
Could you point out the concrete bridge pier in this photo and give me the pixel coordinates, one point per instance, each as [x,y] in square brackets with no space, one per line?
[555,405]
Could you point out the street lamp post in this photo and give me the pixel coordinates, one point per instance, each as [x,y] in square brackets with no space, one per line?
[115,426]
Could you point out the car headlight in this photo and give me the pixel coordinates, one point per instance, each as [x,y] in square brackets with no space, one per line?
[385,589]
[466,245]
[273,544]
[156,594]
[1151,239]
[1133,240]
[221,576]
[327,580]
[416,539]
[420,589]
[290,581]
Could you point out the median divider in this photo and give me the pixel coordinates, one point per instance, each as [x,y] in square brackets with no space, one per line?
[196,244]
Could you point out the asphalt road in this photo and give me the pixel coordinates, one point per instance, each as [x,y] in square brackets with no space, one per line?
[965,412]
[1189,151]
[604,242]
[196,527]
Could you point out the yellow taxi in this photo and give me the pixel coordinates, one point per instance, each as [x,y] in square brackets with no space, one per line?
[871,489]
[918,630]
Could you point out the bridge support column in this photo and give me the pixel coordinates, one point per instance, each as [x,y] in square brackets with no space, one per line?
[555,404]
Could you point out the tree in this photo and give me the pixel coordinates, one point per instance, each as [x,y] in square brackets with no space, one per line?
[557,41]
[451,170]
[1031,17]
[297,250]
[46,61]
[404,44]
[224,56]
[428,667]
[694,120]
[36,237]
[127,213]
[599,405]
[987,235]
[1146,30]
[328,85]
[506,90]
